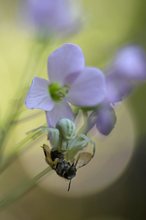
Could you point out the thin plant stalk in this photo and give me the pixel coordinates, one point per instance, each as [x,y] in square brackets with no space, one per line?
[21,147]
[16,107]
[23,189]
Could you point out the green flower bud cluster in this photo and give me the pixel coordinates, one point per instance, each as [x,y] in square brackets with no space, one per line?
[64,138]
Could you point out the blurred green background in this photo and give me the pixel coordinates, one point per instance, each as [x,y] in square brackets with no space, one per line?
[113,186]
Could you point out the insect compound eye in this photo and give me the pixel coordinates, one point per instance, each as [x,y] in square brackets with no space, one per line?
[56,154]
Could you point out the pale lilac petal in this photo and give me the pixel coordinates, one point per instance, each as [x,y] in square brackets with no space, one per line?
[117,88]
[60,110]
[106,119]
[65,61]
[130,62]
[88,89]
[38,96]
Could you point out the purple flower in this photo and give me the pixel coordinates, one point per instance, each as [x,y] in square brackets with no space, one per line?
[69,82]
[127,70]
[130,63]
[51,16]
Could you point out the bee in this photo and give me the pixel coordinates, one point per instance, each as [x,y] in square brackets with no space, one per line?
[63,167]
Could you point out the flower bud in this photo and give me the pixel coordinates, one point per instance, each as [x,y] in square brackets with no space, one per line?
[54,137]
[79,142]
[67,128]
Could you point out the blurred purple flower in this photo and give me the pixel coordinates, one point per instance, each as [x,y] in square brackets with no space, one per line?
[127,71]
[117,88]
[70,81]
[52,16]
[130,63]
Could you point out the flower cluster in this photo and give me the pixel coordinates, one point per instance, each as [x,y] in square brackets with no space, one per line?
[71,83]
[64,138]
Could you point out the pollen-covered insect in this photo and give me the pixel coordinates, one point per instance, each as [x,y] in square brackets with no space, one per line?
[67,151]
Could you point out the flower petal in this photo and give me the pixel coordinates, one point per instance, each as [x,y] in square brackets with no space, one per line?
[88,89]
[61,110]
[38,96]
[106,119]
[66,60]
[117,88]
[130,62]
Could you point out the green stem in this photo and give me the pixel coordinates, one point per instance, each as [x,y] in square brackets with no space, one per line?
[83,129]
[20,191]
[27,118]
[19,148]
[15,110]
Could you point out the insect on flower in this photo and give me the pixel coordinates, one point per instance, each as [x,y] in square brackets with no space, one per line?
[64,168]
[71,154]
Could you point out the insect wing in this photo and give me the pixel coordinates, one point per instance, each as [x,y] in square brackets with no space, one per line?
[85,157]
